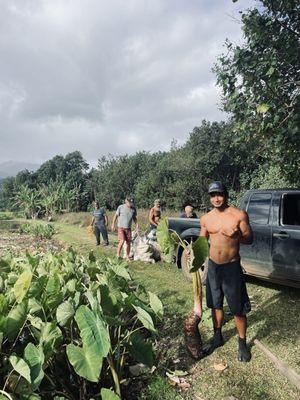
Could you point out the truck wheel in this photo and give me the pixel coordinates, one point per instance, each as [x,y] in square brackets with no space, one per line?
[186,272]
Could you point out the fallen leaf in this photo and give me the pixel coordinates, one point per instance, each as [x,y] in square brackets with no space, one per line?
[220,367]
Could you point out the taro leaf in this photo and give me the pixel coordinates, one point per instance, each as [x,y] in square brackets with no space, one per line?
[71,285]
[64,313]
[53,292]
[107,394]
[50,339]
[85,362]
[37,287]
[167,240]
[31,396]
[200,252]
[92,331]
[34,357]
[33,260]
[34,306]
[16,319]
[21,367]
[140,349]
[156,304]
[22,285]
[109,302]
[120,270]
[91,299]
[145,318]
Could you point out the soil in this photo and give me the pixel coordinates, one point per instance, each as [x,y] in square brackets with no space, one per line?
[20,243]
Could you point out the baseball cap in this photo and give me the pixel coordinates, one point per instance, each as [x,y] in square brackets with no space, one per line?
[217,187]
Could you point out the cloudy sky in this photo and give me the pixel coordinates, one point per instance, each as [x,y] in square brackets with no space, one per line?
[108,76]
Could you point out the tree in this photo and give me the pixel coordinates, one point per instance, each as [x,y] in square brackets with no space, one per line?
[260,83]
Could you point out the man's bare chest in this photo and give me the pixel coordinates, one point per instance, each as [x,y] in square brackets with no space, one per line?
[219,224]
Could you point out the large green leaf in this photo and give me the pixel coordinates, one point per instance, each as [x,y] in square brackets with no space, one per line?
[107,394]
[108,301]
[22,285]
[199,253]
[166,239]
[93,332]
[140,349]
[156,304]
[21,367]
[64,313]
[34,357]
[86,362]
[145,318]
[16,319]
[120,270]
[50,339]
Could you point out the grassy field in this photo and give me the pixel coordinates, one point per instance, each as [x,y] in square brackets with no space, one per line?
[274,320]
[82,219]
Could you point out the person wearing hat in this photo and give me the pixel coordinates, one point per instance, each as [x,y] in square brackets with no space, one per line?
[226,227]
[125,214]
[155,214]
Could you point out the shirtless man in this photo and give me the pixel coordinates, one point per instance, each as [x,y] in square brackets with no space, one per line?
[226,227]
[155,214]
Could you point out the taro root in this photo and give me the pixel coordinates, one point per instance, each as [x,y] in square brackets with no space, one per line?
[192,336]
[191,325]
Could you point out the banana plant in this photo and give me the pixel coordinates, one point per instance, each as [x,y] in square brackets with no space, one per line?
[197,252]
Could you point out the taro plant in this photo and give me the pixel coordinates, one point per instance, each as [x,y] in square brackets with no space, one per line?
[39,230]
[197,252]
[70,327]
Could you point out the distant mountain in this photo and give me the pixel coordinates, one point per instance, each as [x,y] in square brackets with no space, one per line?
[11,168]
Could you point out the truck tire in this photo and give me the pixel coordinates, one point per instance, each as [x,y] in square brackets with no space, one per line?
[186,272]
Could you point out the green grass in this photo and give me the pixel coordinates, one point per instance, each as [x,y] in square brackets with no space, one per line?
[83,219]
[274,320]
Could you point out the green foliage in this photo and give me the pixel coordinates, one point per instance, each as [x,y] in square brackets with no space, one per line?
[69,322]
[40,230]
[260,85]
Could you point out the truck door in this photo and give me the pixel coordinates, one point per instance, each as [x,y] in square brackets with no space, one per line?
[256,258]
[286,238]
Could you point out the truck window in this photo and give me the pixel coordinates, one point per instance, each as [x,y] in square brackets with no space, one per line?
[259,208]
[291,209]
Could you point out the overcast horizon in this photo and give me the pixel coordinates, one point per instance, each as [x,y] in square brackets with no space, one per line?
[103,77]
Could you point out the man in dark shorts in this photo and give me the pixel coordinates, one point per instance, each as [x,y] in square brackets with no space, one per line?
[125,214]
[99,224]
[226,227]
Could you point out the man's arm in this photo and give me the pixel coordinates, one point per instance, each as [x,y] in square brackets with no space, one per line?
[151,219]
[203,228]
[114,221]
[105,220]
[93,220]
[245,229]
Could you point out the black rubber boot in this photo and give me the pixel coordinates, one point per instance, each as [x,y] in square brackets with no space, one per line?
[244,354]
[217,341]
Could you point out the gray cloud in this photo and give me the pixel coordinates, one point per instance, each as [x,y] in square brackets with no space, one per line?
[102,76]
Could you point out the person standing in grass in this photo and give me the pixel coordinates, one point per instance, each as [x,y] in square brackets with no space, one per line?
[155,214]
[125,215]
[226,227]
[99,224]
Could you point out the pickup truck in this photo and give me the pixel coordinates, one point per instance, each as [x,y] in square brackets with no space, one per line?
[275,220]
